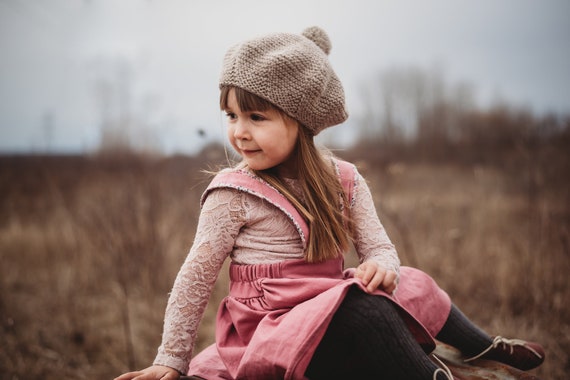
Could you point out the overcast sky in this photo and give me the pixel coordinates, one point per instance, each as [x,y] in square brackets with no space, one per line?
[68,65]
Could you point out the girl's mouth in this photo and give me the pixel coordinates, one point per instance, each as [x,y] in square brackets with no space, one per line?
[249,152]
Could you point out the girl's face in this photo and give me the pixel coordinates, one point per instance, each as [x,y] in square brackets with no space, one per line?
[264,139]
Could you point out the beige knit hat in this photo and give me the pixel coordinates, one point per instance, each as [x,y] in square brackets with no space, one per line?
[292,72]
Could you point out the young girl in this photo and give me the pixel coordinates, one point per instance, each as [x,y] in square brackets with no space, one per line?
[285,216]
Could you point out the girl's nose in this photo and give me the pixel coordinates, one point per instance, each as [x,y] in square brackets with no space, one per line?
[241,131]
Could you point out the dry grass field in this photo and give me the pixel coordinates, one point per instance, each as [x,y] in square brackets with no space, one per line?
[89,247]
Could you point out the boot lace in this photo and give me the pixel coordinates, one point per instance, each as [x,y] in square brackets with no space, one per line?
[442,369]
[510,343]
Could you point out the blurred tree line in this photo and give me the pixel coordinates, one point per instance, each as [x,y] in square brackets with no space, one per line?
[412,114]
[406,114]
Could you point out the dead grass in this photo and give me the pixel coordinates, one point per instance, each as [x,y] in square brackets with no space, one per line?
[90,247]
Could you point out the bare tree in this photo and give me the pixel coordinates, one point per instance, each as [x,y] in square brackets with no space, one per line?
[123,125]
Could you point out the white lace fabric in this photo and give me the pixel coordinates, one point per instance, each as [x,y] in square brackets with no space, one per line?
[250,231]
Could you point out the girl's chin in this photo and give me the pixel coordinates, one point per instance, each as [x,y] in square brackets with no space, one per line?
[256,167]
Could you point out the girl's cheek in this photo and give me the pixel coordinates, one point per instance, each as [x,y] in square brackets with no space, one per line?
[231,137]
[232,142]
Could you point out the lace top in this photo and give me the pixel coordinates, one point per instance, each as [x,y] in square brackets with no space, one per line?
[250,231]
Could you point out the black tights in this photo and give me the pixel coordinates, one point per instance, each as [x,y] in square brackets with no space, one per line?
[462,334]
[367,338]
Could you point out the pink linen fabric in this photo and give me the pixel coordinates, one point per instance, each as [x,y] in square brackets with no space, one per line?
[276,314]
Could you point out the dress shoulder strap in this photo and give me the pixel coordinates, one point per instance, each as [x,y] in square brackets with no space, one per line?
[243,180]
[347,173]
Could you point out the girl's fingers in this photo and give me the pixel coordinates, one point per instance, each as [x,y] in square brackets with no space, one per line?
[360,273]
[128,376]
[171,376]
[365,272]
[151,373]
[389,282]
[390,289]
[377,279]
[374,276]
[389,279]
[369,274]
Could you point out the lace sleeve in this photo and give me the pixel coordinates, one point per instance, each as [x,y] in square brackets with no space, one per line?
[371,240]
[221,217]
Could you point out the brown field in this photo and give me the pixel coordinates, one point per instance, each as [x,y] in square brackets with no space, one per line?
[89,247]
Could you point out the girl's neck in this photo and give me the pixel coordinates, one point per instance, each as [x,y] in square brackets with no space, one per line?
[288,169]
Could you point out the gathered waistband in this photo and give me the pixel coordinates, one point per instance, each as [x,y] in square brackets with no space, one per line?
[287,269]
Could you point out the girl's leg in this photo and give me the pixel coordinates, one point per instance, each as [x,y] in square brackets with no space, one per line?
[472,341]
[367,338]
[462,334]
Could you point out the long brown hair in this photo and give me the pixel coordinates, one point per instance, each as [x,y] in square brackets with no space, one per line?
[322,193]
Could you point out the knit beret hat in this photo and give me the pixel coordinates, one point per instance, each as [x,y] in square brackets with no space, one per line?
[292,72]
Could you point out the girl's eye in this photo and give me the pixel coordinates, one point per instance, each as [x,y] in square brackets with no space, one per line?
[256,117]
[231,115]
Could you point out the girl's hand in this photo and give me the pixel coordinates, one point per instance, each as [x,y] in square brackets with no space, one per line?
[374,276]
[155,372]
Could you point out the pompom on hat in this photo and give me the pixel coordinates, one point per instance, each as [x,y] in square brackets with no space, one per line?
[292,72]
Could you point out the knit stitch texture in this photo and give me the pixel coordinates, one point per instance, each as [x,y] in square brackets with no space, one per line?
[292,72]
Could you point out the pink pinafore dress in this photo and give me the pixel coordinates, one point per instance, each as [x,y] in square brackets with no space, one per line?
[275,315]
